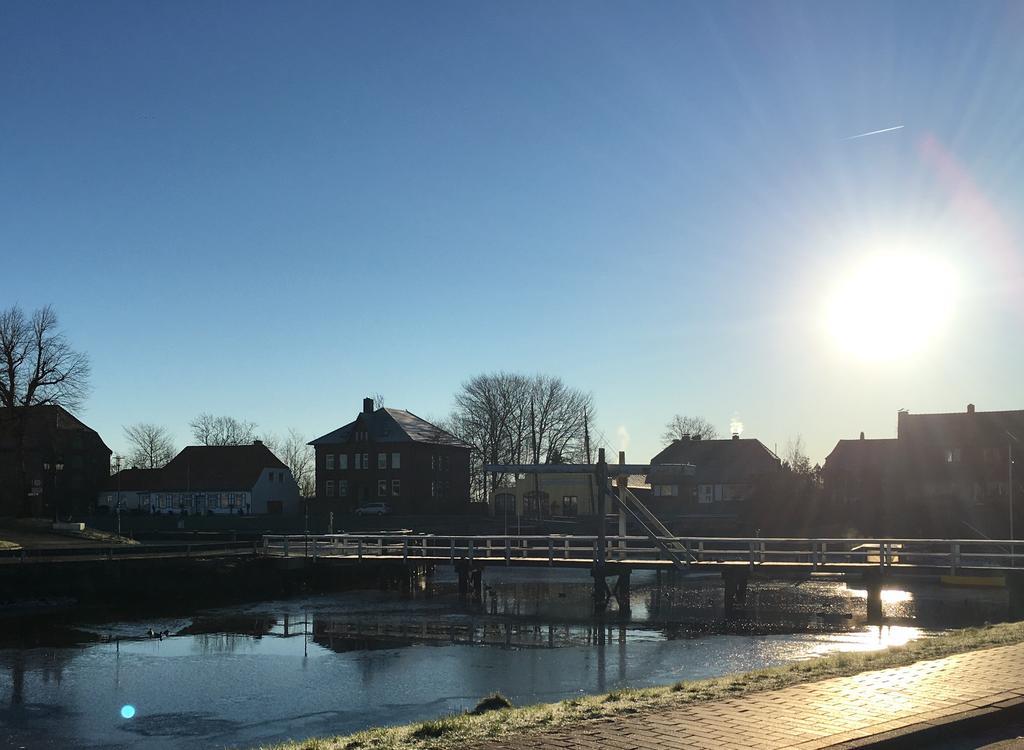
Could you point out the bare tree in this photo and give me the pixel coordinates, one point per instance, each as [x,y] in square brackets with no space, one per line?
[378,400]
[151,445]
[38,367]
[797,458]
[681,426]
[511,418]
[297,456]
[208,429]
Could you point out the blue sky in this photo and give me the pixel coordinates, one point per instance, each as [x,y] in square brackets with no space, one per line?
[271,210]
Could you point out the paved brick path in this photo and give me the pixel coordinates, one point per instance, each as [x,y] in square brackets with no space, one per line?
[815,715]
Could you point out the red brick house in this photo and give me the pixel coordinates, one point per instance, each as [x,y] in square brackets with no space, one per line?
[65,462]
[392,456]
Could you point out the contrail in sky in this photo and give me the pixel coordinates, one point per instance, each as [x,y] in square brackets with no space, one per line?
[873,132]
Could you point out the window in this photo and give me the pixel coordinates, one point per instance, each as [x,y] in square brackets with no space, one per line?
[366,461]
[570,505]
[329,458]
[953,456]
[396,487]
[433,489]
[343,488]
[382,488]
[446,463]
[329,488]
[666,490]
[706,494]
[396,460]
[382,460]
[504,502]
[433,462]
[343,461]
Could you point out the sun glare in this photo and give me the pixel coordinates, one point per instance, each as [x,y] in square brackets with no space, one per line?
[890,307]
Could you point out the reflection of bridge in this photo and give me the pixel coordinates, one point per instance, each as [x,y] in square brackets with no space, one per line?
[872,560]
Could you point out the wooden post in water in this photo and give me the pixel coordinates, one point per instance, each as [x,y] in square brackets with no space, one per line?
[622,481]
[873,584]
[600,587]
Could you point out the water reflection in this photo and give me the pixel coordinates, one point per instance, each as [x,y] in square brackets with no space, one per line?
[253,674]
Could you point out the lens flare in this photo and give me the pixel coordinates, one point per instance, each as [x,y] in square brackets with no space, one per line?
[127,711]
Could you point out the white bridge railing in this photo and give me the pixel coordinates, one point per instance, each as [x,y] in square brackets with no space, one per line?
[557,549]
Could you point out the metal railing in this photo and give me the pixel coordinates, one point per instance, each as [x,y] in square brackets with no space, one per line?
[950,555]
[124,551]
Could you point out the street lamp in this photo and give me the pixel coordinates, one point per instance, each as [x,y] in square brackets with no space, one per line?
[1009,472]
[55,468]
[117,463]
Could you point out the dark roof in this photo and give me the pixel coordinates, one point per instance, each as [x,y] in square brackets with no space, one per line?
[970,427]
[203,467]
[44,422]
[716,461]
[393,426]
[860,455]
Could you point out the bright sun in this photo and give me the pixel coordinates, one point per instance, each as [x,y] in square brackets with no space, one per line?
[889,307]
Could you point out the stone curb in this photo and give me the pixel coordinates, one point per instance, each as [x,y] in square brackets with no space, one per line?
[948,727]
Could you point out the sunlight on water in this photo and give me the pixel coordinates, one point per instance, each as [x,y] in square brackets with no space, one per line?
[871,638]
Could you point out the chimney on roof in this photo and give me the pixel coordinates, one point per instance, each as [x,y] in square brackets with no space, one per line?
[970,408]
[367,406]
[735,436]
[695,437]
[862,435]
[685,438]
[257,442]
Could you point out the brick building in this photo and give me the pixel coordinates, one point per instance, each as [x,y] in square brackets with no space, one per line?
[65,462]
[392,456]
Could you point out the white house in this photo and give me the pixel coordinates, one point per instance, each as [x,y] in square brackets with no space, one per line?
[207,480]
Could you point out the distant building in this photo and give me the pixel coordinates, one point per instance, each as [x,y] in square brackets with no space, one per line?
[207,480]
[392,456]
[727,472]
[546,496]
[65,462]
[944,473]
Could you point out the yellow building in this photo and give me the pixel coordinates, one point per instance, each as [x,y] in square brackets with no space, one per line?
[546,496]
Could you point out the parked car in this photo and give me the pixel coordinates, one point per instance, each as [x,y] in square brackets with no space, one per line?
[374,509]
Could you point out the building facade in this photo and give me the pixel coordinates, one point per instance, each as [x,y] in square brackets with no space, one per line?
[726,472]
[207,480]
[392,456]
[944,474]
[65,462]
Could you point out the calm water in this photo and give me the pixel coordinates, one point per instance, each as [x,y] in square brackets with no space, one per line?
[240,676]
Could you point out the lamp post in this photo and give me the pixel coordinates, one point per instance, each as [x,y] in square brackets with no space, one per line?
[117,506]
[54,468]
[1009,473]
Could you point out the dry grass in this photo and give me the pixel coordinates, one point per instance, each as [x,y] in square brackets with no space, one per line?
[458,731]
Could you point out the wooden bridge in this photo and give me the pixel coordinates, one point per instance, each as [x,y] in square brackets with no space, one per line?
[872,561]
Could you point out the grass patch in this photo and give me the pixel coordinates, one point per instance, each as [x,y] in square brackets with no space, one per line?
[458,731]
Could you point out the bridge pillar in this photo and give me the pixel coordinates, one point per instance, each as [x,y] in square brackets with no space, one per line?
[600,589]
[735,589]
[873,585]
[476,579]
[622,591]
[462,568]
